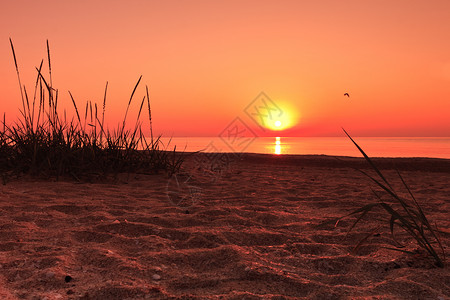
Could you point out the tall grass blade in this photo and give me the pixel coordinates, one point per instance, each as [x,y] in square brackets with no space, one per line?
[103,113]
[35,92]
[76,109]
[149,115]
[49,64]
[129,102]
[368,159]
[410,217]
[18,75]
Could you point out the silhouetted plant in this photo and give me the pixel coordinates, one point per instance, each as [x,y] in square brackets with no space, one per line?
[42,142]
[406,214]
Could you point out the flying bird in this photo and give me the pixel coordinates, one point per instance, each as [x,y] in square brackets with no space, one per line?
[346,94]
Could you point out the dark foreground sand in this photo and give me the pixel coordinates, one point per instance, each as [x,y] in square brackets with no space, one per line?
[252,228]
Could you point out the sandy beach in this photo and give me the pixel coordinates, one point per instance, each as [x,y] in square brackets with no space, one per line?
[253,227]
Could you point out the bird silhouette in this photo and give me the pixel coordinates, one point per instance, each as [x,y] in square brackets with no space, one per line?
[346,94]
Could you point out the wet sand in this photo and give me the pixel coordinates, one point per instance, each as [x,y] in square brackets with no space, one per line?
[250,227]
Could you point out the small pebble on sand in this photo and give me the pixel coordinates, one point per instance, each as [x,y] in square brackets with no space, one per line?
[156,277]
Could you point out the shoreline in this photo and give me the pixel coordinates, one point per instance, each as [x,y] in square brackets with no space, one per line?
[321,160]
[341,146]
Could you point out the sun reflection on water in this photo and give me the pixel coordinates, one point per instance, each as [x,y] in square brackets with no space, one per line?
[277,145]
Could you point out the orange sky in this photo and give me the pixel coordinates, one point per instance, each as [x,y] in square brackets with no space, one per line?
[205,61]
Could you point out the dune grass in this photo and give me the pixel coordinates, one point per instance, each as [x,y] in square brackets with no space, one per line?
[405,214]
[47,144]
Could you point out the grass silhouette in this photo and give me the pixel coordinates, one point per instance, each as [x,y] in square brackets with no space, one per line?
[44,143]
[403,213]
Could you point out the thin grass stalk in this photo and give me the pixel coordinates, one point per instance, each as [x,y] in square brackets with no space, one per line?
[51,108]
[387,188]
[368,160]
[49,64]
[149,115]
[56,106]
[407,226]
[95,124]
[103,113]
[102,131]
[90,110]
[35,91]
[414,221]
[393,194]
[424,219]
[138,116]
[142,140]
[18,75]
[41,102]
[76,109]
[421,214]
[28,111]
[85,117]
[129,102]
[137,125]
[53,101]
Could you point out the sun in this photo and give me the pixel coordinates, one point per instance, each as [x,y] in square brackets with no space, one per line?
[286,117]
[280,123]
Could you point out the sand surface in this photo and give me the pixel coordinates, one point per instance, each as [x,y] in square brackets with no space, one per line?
[255,227]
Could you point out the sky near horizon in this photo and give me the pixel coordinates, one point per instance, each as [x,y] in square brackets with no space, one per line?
[206,62]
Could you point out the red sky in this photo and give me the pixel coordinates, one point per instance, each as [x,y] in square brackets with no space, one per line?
[206,61]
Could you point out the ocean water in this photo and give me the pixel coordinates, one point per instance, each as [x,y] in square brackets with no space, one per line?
[436,147]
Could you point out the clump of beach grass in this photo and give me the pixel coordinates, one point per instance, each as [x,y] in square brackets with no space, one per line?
[45,143]
[403,213]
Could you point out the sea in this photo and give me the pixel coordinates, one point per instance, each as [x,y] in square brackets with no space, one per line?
[433,147]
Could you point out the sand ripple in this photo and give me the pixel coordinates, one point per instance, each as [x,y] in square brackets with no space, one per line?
[258,231]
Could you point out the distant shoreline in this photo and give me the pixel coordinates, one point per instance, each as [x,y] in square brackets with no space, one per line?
[329,161]
[332,146]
